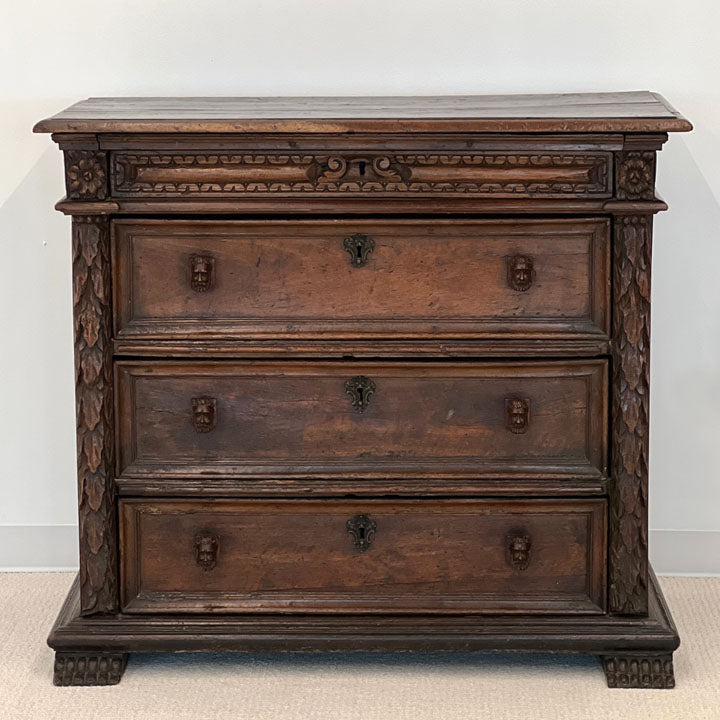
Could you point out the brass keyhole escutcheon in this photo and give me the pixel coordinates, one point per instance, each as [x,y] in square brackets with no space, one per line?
[359,247]
[362,528]
[360,389]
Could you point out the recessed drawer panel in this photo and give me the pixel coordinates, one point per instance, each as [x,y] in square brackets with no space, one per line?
[371,420]
[518,279]
[440,556]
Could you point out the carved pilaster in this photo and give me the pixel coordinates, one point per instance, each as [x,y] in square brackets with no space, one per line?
[632,250]
[94,405]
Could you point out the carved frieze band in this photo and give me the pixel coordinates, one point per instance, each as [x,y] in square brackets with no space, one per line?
[489,173]
[635,175]
[86,176]
[94,405]
[630,415]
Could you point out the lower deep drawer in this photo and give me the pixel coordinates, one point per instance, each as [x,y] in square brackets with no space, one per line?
[440,556]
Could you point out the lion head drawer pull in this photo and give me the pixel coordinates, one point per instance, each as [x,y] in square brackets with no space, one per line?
[206,551]
[362,528]
[517,415]
[360,388]
[201,272]
[520,272]
[359,247]
[204,411]
[518,549]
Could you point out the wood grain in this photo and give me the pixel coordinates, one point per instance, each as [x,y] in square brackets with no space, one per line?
[423,279]
[579,112]
[296,420]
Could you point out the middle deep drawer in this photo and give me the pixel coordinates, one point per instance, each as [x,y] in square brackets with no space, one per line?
[362,420]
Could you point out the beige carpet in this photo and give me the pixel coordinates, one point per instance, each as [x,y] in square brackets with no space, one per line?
[365,687]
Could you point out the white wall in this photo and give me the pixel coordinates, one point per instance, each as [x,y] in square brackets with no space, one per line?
[52,54]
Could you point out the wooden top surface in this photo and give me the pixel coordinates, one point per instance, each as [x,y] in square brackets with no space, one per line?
[583,112]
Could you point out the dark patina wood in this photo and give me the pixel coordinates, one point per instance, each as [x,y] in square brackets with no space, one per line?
[303,420]
[392,351]
[439,556]
[94,405]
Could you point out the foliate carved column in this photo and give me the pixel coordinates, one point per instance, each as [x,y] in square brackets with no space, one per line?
[94,404]
[632,249]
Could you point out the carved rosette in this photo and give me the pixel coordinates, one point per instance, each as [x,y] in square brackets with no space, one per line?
[630,415]
[635,175]
[86,174]
[94,401]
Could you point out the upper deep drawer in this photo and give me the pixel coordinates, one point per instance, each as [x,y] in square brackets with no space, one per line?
[359,278]
[361,174]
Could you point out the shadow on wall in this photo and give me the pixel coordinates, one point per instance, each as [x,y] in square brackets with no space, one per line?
[685,413]
[37,453]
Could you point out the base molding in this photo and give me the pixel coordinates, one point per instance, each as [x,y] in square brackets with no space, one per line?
[626,644]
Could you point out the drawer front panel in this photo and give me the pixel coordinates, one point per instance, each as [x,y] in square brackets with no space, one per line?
[376,556]
[358,174]
[342,279]
[376,419]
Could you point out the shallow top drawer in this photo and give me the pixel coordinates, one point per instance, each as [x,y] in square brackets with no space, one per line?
[362,174]
[536,279]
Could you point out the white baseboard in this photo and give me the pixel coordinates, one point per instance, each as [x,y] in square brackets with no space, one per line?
[685,552]
[35,548]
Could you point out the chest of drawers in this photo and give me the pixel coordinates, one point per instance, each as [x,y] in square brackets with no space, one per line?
[363,374]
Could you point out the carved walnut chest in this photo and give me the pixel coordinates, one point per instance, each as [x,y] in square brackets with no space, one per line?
[363,374]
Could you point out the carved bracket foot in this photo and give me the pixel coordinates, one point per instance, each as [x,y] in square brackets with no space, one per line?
[89,668]
[639,671]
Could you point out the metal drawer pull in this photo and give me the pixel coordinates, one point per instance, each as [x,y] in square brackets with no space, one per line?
[518,549]
[206,551]
[201,272]
[359,247]
[520,272]
[360,389]
[362,528]
[517,415]
[204,411]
